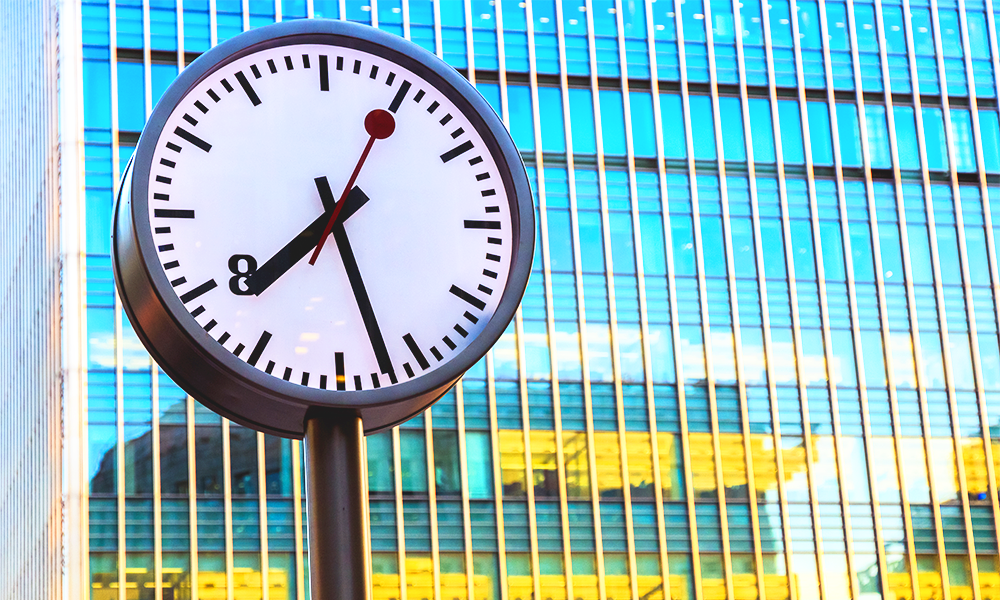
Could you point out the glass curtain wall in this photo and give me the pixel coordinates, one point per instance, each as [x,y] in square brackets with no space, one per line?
[757,357]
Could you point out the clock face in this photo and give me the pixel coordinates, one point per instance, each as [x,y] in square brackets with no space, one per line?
[324,213]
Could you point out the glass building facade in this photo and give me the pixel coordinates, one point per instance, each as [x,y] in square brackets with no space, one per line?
[758,355]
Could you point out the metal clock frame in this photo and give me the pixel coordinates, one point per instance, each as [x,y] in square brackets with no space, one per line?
[202,366]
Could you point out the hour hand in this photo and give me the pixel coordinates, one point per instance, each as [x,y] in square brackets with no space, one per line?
[306,240]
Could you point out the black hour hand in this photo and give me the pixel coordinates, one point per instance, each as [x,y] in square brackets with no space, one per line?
[306,240]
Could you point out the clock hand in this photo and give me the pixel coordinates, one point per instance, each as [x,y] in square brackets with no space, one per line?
[293,251]
[364,303]
[379,124]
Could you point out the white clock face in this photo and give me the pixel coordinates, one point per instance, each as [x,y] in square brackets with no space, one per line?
[271,151]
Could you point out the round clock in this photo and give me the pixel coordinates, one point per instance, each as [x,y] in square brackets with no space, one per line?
[321,215]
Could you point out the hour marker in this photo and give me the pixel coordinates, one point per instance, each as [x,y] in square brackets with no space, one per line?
[390,78]
[270,367]
[456,151]
[173,213]
[197,311]
[457,132]
[305,376]
[436,353]
[305,61]
[489,193]
[224,337]
[494,241]
[178,281]
[168,163]
[375,381]
[419,96]
[408,369]
[482,224]
[171,265]
[448,342]
[173,146]
[225,84]
[400,94]
[256,72]
[186,135]
[161,197]
[392,377]
[240,77]
[357,382]
[492,257]
[485,290]
[324,74]
[271,65]
[322,382]
[492,209]
[200,106]
[417,354]
[374,72]
[210,325]
[165,247]
[162,230]
[198,291]
[288,374]
[476,160]
[489,274]
[190,119]
[433,107]
[461,331]
[471,317]
[338,359]
[213,96]
[357,67]
[444,120]
[340,63]
[162,179]
[482,176]
[258,348]
[289,66]
[464,295]
[239,348]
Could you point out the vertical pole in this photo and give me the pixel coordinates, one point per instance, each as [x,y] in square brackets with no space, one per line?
[337,505]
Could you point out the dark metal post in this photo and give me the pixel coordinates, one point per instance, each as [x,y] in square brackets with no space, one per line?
[337,504]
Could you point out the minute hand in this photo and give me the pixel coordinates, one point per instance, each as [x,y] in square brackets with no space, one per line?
[306,240]
[364,303]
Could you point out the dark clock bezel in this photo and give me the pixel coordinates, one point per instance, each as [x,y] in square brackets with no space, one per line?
[202,366]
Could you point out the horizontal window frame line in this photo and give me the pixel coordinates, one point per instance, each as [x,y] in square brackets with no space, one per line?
[640,84]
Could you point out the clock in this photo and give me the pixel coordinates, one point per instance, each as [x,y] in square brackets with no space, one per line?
[320,215]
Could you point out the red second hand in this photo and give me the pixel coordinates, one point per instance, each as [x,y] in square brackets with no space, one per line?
[379,124]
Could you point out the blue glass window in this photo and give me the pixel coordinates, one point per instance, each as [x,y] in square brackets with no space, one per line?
[643,126]
[810,43]
[850,135]
[551,115]
[820,138]
[731,114]
[990,130]
[326,9]
[961,135]
[934,139]
[612,122]
[519,106]
[546,40]
[672,117]
[131,96]
[790,121]
[761,130]
[704,134]
[582,120]
[878,136]
[906,137]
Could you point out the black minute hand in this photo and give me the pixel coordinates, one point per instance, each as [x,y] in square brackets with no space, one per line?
[364,303]
[306,240]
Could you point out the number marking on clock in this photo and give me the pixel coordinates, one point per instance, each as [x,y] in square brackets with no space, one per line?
[338,359]
[324,74]
[457,151]
[173,213]
[250,92]
[400,95]
[464,295]
[258,348]
[198,291]
[482,224]
[186,135]
[417,354]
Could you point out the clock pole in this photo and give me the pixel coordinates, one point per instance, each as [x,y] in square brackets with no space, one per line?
[337,505]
